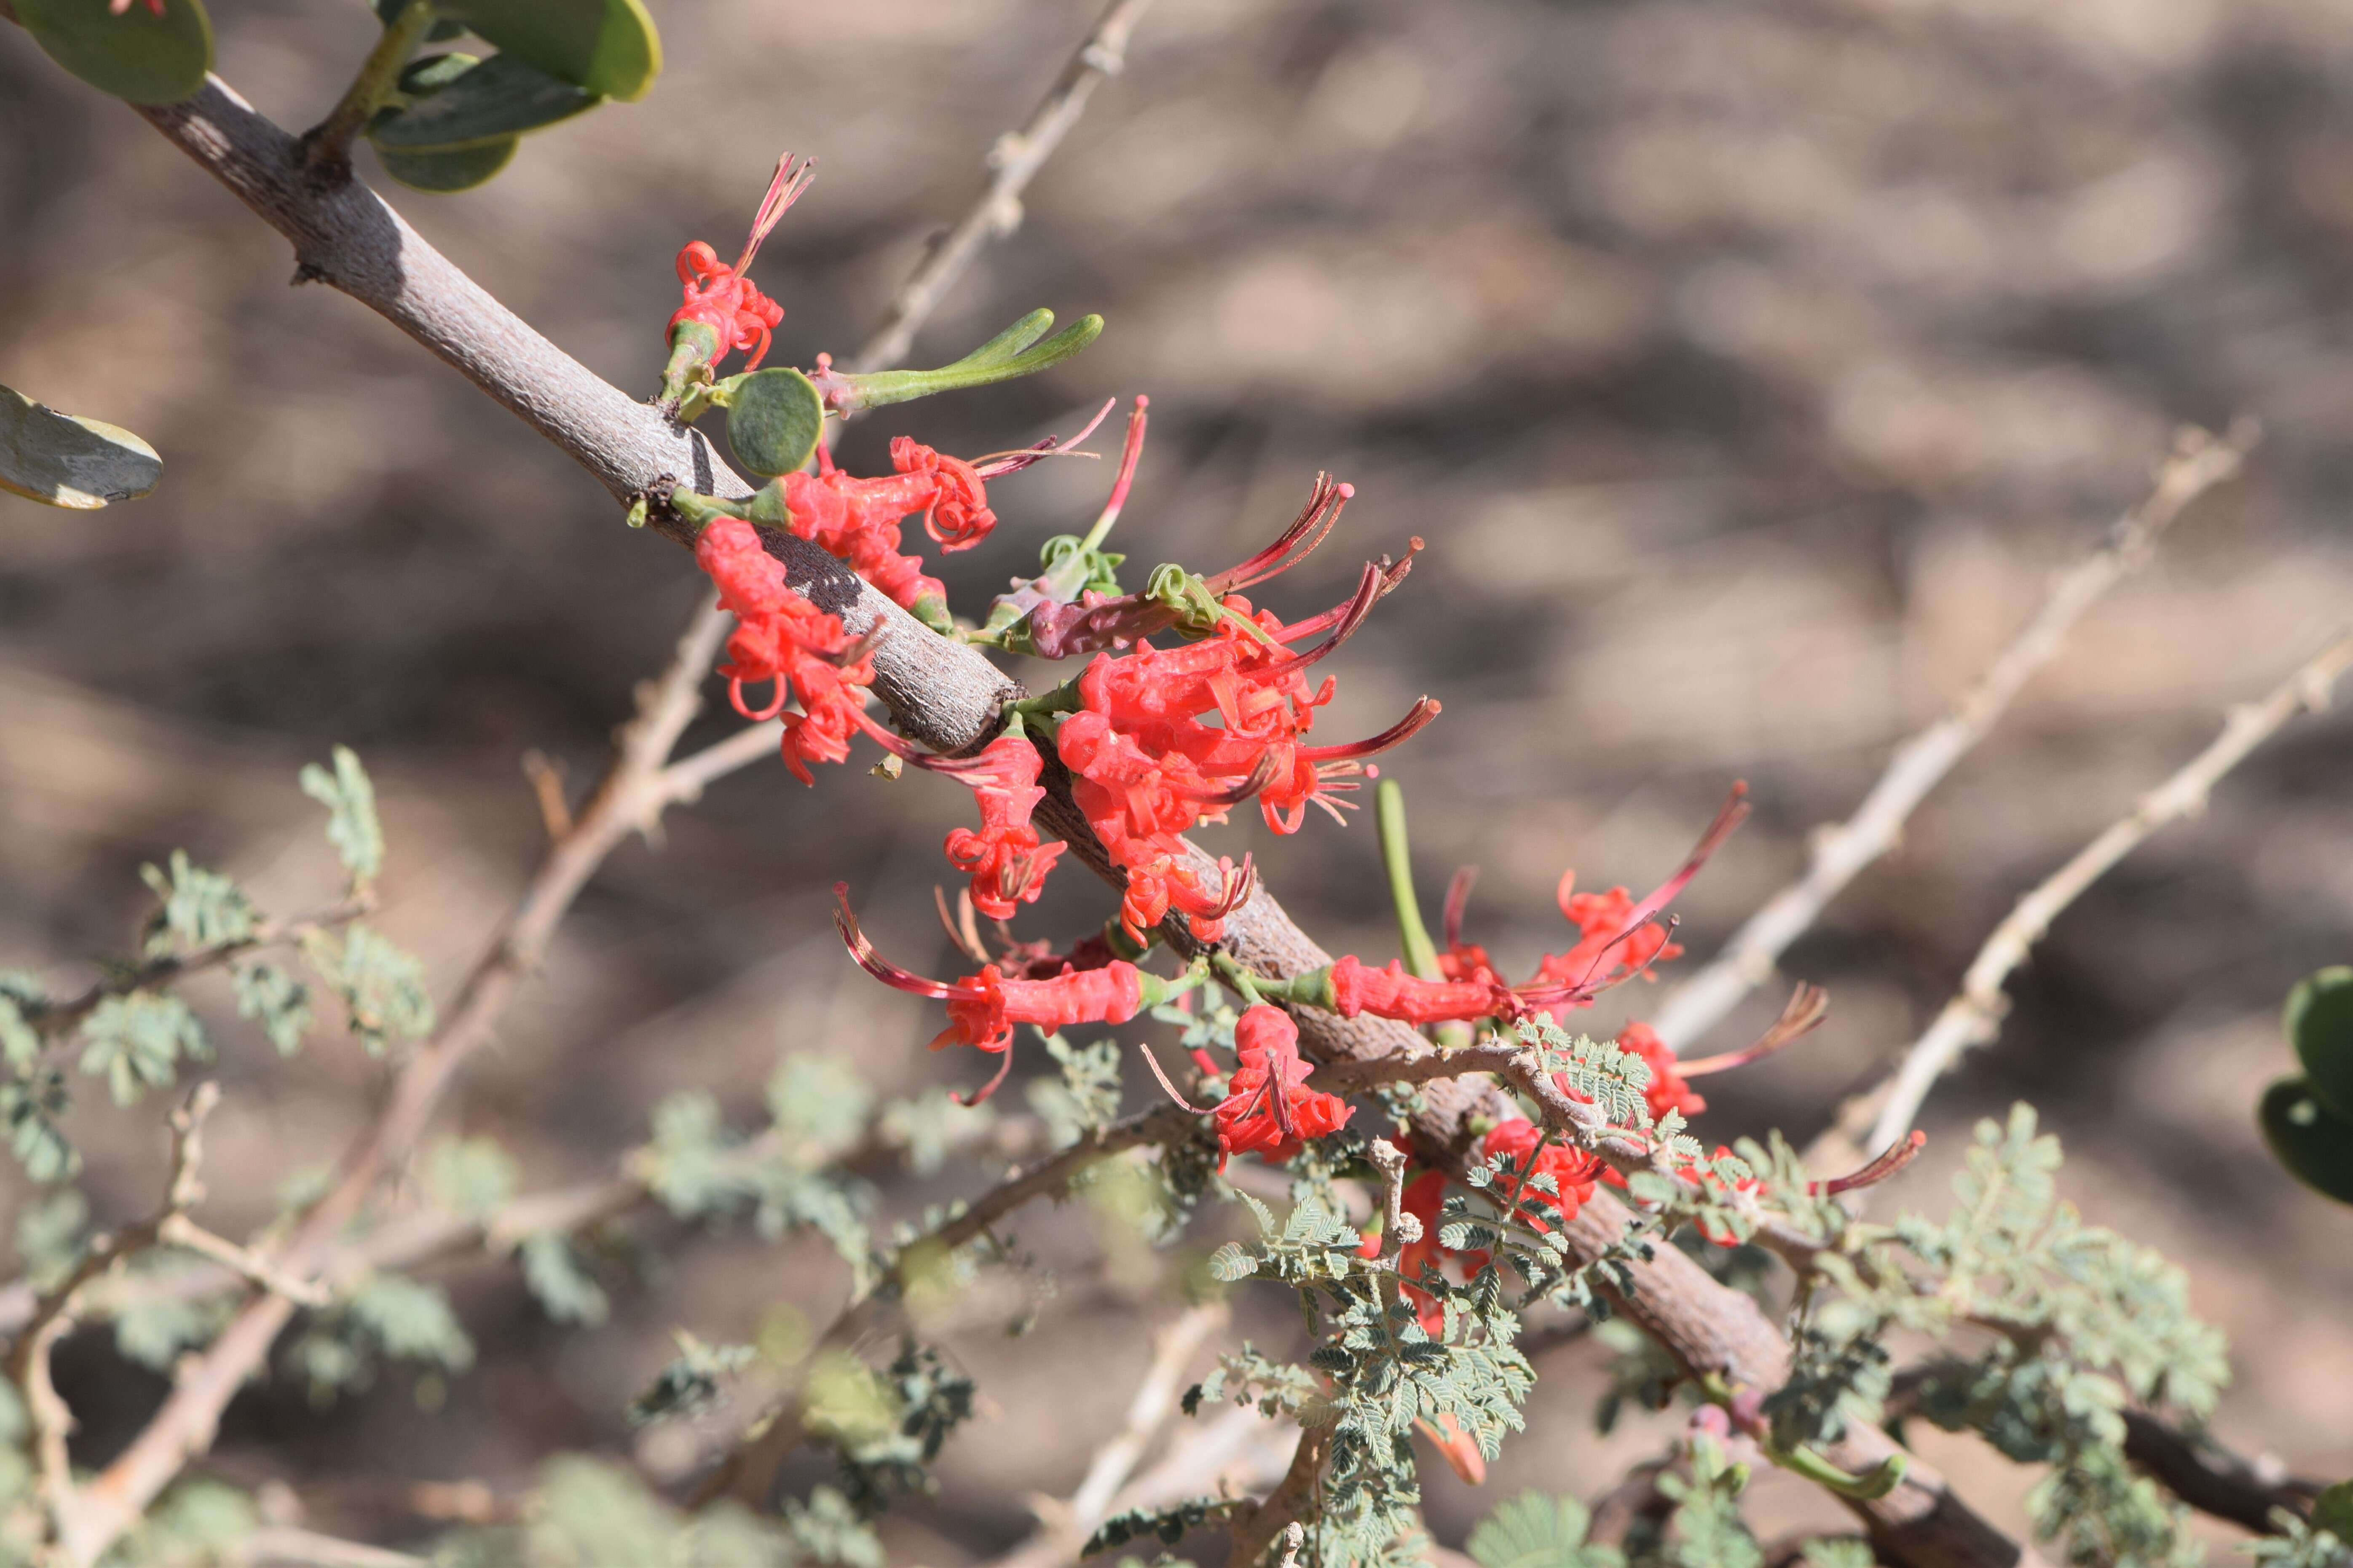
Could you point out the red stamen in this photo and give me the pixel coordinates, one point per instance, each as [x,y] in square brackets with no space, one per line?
[1889,1162]
[1807,1006]
[875,964]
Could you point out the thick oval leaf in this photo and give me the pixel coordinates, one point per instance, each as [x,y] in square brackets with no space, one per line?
[138,56]
[2319,1023]
[773,421]
[494,99]
[2316,1147]
[608,47]
[443,173]
[62,460]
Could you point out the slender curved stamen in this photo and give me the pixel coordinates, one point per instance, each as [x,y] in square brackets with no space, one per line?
[1128,457]
[1003,1066]
[1348,617]
[892,742]
[882,968]
[1392,572]
[1890,1161]
[1240,883]
[1154,1063]
[964,939]
[1323,506]
[1232,794]
[1807,1006]
[783,192]
[1458,901]
[1730,815]
[1416,719]
[997,464]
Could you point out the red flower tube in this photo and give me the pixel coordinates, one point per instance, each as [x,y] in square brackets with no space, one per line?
[1268,1109]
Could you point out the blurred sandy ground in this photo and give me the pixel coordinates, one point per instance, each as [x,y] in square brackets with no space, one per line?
[1747,366]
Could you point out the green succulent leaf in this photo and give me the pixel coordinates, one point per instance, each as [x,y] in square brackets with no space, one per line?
[138,56]
[456,107]
[446,174]
[2316,1147]
[2319,1024]
[1015,352]
[608,47]
[773,418]
[65,460]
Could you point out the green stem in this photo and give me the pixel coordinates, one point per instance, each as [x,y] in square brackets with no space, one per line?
[702,510]
[1244,984]
[328,145]
[1389,816]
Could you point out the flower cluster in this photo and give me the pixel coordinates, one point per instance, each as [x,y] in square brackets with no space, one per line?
[719,298]
[781,637]
[1003,857]
[1267,1109]
[859,519]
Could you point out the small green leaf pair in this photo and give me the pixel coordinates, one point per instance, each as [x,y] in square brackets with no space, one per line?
[456,119]
[776,416]
[65,460]
[2308,1121]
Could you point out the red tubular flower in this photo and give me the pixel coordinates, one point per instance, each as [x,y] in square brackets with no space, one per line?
[984,1007]
[859,519]
[719,297]
[783,637]
[1573,1172]
[1268,1110]
[1005,858]
[1601,919]
[1392,993]
[959,516]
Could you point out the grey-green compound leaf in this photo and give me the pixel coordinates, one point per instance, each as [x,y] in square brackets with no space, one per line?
[281,1003]
[136,1042]
[19,1045]
[352,827]
[773,420]
[471,1176]
[490,100]
[138,56]
[412,1322]
[608,47]
[382,987]
[62,459]
[446,174]
[563,1288]
[2319,1024]
[29,1112]
[201,909]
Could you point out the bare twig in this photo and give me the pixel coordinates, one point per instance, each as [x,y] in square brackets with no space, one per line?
[53,1315]
[1974,1014]
[1016,158]
[1256,1531]
[628,799]
[1064,1527]
[64,1017]
[280,1546]
[2198,463]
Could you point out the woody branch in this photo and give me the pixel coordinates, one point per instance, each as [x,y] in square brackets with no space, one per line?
[938,693]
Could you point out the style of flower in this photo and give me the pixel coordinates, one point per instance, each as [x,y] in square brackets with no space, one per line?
[720,298]
[1268,1109]
[781,637]
[1003,857]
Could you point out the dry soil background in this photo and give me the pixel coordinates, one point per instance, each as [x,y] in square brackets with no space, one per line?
[1747,367]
